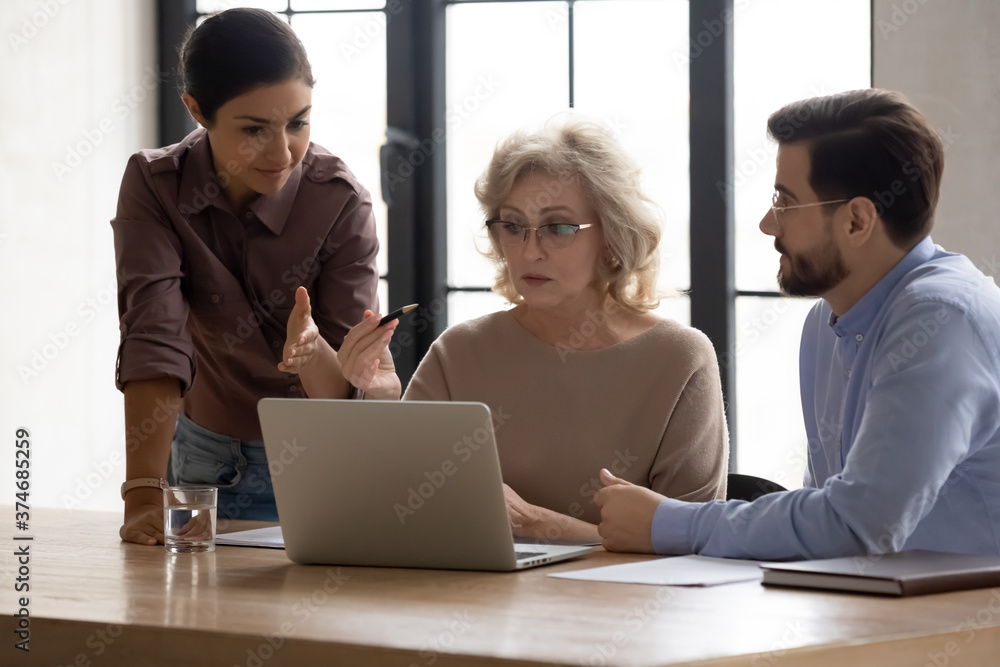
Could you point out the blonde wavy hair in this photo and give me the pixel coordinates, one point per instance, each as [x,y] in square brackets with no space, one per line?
[579,151]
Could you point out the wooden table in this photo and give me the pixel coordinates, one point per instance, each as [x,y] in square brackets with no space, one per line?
[97,601]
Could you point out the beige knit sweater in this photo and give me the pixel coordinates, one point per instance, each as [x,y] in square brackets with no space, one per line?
[649,409]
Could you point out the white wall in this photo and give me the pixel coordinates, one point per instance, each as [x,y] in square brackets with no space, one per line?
[78,80]
[945,56]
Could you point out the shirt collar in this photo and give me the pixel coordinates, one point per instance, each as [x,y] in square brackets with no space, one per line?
[855,322]
[200,188]
[273,210]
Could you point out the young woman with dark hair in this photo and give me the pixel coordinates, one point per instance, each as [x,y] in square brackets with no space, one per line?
[216,239]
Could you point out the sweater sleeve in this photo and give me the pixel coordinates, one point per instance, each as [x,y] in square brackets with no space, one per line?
[692,462]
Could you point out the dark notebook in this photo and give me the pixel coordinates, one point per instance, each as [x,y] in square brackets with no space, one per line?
[903,573]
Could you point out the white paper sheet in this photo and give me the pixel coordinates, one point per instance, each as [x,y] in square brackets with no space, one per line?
[258,537]
[676,571]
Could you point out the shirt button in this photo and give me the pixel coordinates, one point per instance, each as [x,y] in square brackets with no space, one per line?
[859,337]
[318,174]
[275,345]
[248,215]
[847,373]
[216,298]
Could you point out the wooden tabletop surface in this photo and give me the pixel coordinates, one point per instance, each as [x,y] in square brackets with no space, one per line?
[95,600]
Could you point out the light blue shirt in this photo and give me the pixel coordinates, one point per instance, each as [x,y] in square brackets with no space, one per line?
[901,401]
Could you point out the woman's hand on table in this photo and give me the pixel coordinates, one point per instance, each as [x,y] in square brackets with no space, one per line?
[523,515]
[540,523]
[143,522]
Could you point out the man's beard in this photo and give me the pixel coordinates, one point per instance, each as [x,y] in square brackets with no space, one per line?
[812,274]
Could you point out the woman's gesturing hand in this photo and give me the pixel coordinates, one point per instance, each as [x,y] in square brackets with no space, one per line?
[363,359]
[302,336]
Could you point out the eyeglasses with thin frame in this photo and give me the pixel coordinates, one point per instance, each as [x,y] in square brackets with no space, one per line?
[778,210]
[553,235]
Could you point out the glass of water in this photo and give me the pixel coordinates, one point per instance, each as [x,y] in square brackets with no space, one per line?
[189,519]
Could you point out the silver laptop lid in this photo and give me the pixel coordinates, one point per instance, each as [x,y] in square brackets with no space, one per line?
[387,483]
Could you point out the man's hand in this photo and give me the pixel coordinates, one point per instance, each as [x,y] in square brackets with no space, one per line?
[626,514]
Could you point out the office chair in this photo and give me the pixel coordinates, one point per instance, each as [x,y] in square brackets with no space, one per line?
[748,487]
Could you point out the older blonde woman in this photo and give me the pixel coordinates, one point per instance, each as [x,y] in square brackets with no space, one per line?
[579,373]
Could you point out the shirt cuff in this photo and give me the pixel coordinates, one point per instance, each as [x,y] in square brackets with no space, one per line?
[671,528]
[149,357]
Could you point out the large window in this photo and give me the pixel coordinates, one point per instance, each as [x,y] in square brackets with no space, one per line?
[785,50]
[511,64]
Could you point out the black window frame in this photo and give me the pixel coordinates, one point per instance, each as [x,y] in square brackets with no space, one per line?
[417,211]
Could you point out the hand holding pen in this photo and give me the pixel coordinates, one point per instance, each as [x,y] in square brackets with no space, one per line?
[396,314]
[363,359]
[375,374]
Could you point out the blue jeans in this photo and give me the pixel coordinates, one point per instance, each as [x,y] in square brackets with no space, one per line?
[237,467]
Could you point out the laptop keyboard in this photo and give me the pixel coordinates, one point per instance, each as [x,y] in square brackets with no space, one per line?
[521,555]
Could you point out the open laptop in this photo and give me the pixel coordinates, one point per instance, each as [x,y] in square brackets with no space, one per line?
[392,483]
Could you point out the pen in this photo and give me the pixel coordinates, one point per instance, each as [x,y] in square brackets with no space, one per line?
[396,314]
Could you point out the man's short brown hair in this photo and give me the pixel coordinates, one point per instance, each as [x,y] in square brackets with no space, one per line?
[869,143]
